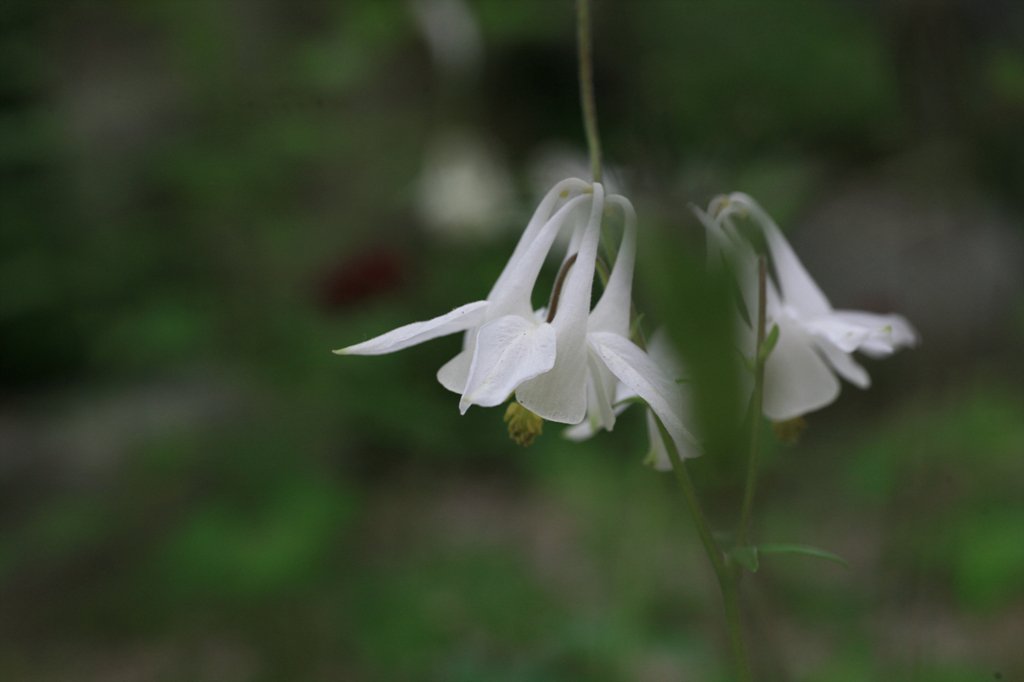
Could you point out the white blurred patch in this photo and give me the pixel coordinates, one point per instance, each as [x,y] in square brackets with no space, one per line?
[451,32]
[464,190]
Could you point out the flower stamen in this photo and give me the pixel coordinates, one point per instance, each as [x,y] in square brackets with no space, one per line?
[523,425]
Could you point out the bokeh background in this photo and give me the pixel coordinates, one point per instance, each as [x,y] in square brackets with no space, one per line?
[199,199]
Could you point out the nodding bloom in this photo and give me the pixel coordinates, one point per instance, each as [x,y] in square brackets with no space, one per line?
[562,362]
[507,344]
[815,341]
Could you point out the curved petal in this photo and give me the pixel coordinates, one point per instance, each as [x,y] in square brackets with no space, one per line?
[657,456]
[836,331]
[561,394]
[539,219]
[726,248]
[611,314]
[637,370]
[588,427]
[888,333]
[511,294]
[458,320]
[600,390]
[509,350]
[798,288]
[796,379]
[844,364]
[454,373]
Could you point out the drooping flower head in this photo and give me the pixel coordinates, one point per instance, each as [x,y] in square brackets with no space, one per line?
[561,363]
[815,341]
[507,345]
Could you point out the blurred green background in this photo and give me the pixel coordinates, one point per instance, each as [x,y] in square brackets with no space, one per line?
[200,198]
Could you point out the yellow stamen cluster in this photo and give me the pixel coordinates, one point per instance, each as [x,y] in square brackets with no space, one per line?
[523,425]
[788,432]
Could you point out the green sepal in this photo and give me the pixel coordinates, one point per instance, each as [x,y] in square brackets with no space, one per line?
[769,344]
[786,548]
[745,556]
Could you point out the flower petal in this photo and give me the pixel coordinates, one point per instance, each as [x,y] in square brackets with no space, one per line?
[657,456]
[458,320]
[798,288]
[836,331]
[611,314]
[637,370]
[600,389]
[844,364]
[509,350]
[454,373]
[726,248]
[511,294]
[796,379]
[537,222]
[561,394]
[888,332]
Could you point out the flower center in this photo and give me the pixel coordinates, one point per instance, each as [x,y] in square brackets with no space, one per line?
[523,425]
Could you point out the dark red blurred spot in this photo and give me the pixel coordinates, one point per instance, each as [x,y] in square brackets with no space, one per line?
[369,274]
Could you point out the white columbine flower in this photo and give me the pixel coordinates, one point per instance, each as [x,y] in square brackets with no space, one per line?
[815,342]
[546,358]
[507,345]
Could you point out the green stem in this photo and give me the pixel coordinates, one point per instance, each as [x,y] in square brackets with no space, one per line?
[727,576]
[756,403]
[583,34]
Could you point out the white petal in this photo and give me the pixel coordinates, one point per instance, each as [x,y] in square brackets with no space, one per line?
[582,431]
[511,294]
[458,320]
[658,455]
[796,379]
[561,394]
[588,427]
[454,373]
[600,389]
[844,364]
[726,247]
[611,314]
[888,332]
[508,351]
[799,290]
[539,219]
[637,370]
[842,334]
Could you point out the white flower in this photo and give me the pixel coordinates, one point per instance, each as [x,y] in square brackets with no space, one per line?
[815,341]
[551,360]
[507,346]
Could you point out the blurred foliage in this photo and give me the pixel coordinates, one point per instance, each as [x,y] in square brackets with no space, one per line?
[199,200]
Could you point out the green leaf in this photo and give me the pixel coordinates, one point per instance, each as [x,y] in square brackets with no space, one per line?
[769,344]
[786,548]
[745,556]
